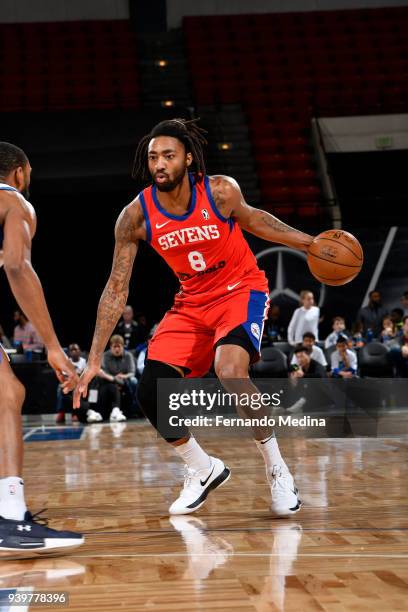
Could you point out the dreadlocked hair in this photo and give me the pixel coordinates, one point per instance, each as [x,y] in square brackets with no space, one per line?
[187,132]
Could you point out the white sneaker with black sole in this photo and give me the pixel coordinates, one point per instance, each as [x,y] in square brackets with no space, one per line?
[197,486]
[117,416]
[285,500]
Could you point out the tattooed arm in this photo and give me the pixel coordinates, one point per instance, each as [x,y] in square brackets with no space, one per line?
[130,228]
[230,202]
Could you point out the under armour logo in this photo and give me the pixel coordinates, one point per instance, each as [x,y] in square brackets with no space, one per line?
[23,528]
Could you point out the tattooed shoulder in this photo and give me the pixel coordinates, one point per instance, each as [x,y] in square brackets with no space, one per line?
[130,226]
[222,189]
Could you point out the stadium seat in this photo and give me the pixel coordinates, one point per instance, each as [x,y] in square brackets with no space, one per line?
[374,361]
[273,364]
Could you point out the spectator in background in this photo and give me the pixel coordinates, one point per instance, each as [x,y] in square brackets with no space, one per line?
[316,353]
[343,360]
[304,319]
[397,315]
[357,339]
[118,375]
[25,334]
[74,354]
[338,326]
[305,366]
[399,351]
[389,331]
[131,331]
[274,328]
[371,316]
[4,340]
[404,302]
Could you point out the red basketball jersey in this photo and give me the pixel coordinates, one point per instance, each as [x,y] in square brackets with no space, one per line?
[206,251]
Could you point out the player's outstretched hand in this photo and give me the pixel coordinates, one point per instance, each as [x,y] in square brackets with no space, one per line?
[63,368]
[81,390]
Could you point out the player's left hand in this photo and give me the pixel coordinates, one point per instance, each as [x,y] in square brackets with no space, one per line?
[63,369]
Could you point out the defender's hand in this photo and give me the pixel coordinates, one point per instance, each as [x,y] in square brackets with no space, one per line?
[63,369]
[81,390]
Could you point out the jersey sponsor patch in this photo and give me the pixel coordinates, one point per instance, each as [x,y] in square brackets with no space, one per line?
[256,330]
[188,235]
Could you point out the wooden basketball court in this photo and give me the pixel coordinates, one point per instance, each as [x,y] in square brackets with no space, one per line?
[345,550]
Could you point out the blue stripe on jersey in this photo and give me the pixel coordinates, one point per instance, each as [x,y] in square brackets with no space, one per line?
[146,216]
[210,198]
[254,324]
[4,188]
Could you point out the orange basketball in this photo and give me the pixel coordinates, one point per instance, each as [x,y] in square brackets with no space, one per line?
[335,257]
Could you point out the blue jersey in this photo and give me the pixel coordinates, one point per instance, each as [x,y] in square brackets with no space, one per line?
[4,187]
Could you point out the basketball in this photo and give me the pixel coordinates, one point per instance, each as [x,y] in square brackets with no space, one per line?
[335,257]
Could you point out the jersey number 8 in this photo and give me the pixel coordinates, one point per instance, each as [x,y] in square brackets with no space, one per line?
[197,261]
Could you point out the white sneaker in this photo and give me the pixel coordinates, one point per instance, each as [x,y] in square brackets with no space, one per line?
[117,415]
[93,417]
[285,500]
[198,484]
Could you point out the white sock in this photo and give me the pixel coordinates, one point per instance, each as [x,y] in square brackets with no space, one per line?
[193,455]
[12,503]
[269,450]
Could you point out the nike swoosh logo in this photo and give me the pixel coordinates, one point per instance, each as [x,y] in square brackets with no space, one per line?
[206,480]
[231,287]
[160,225]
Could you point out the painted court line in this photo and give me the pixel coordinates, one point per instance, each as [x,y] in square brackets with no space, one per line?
[235,554]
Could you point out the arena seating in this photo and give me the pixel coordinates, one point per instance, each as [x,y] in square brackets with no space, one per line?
[70,65]
[288,67]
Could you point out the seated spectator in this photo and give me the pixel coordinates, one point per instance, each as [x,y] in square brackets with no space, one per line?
[118,377]
[304,319]
[357,338]
[274,328]
[309,341]
[397,315]
[131,331]
[25,334]
[372,315]
[305,365]
[389,331]
[4,341]
[343,360]
[338,326]
[74,354]
[399,351]
[304,368]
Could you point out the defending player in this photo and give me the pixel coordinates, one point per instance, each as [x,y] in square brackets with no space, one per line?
[19,529]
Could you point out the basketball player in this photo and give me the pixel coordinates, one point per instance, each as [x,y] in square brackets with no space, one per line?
[19,529]
[194,222]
